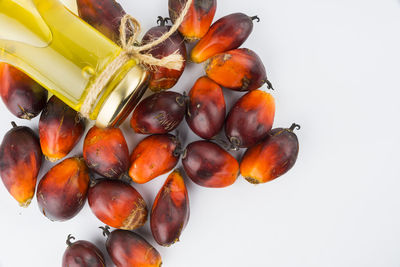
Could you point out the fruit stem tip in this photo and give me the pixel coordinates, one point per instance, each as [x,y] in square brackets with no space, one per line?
[69,238]
[255,18]
[269,84]
[162,21]
[106,230]
[294,127]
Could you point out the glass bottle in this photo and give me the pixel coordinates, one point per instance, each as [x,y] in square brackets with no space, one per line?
[65,55]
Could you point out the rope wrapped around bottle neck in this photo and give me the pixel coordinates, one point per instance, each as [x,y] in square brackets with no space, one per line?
[130,50]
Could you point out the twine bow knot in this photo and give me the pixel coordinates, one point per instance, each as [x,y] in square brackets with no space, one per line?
[133,49]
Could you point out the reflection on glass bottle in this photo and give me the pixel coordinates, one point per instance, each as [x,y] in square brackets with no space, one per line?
[64,54]
[71,4]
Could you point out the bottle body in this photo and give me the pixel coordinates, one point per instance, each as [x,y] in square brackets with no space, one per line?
[57,49]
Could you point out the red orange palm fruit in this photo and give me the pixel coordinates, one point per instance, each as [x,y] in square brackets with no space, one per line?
[83,253]
[163,78]
[60,129]
[128,249]
[20,162]
[209,165]
[62,191]
[104,15]
[239,69]
[170,212]
[206,108]
[23,97]
[198,19]
[117,204]
[153,156]
[271,158]
[250,119]
[159,113]
[227,33]
[106,152]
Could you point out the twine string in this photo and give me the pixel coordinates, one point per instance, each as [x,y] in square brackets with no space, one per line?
[132,50]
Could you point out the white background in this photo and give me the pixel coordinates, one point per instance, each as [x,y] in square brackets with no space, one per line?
[335,65]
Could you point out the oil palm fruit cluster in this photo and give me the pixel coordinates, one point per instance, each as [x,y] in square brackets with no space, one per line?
[106,171]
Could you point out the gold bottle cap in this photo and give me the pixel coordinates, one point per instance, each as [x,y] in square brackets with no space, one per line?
[123,98]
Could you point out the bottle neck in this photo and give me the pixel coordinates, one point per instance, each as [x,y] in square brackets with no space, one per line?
[125,91]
